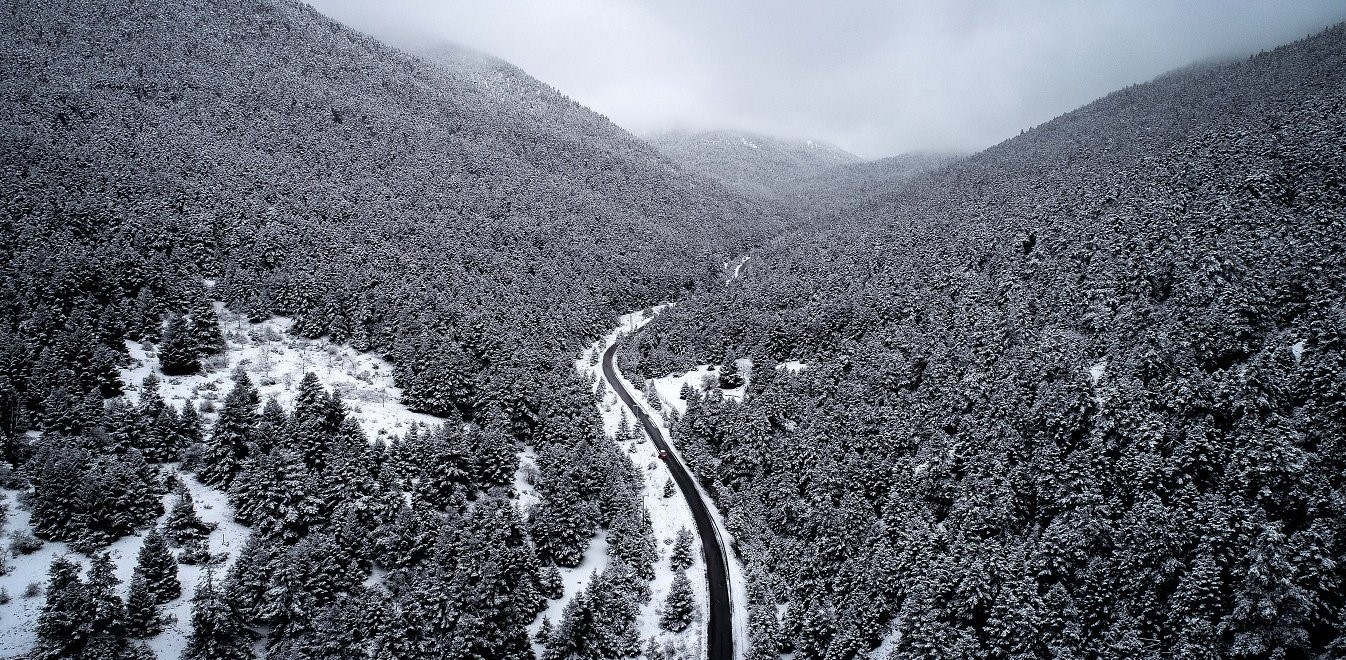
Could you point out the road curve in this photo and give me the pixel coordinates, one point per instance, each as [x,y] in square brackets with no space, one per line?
[719,626]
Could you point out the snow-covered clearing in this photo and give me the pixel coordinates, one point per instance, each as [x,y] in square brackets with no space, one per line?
[738,268]
[886,645]
[276,361]
[1097,370]
[667,515]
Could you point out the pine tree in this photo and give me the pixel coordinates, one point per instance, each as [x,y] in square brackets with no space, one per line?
[623,427]
[550,582]
[218,631]
[544,631]
[108,635]
[183,524]
[495,456]
[142,610]
[203,327]
[1270,608]
[60,412]
[178,351]
[66,622]
[235,429]
[680,606]
[631,539]
[190,428]
[681,557]
[686,393]
[652,396]
[271,425]
[153,424]
[669,489]
[156,565]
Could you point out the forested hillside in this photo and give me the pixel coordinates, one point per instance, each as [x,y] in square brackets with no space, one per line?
[755,165]
[460,219]
[838,190]
[1079,395]
[411,208]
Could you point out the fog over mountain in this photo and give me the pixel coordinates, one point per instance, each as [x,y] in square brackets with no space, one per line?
[874,77]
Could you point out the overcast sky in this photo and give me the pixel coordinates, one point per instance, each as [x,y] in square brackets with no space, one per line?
[877,77]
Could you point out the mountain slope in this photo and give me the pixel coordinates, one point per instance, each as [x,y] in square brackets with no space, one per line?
[326,176]
[158,156]
[752,164]
[1077,395]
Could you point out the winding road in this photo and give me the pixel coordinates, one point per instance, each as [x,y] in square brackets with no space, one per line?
[719,625]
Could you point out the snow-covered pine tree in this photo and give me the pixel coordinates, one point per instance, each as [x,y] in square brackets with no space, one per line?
[156,565]
[183,525]
[271,425]
[680,606]
[544,631]
[549,581]
[236,427]
[66,621]
[669,489]
[681,557]
[218,632]
[143,618]
[652,396]
[178,352]
[153,424]
[190,428]
[108,630]
[203,327]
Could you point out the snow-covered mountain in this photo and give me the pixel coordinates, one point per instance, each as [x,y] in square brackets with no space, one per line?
[752,164]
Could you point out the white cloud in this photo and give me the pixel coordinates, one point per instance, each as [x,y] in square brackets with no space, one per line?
[877,77]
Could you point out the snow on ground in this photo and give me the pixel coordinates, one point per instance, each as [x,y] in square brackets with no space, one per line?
[276,361]
[595,561]
[792,366]
[1096,371]
[1297,349]
[886,645]
[524,478]
[18,617]
[668,515]
[738,268]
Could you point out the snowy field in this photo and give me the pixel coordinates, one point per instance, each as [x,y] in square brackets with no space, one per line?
[276,361]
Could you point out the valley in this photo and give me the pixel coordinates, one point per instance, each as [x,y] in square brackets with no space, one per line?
[317,341]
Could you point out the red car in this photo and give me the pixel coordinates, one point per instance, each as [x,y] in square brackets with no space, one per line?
[663,454]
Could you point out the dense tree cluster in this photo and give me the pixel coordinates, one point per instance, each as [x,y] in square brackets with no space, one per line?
[1079,395]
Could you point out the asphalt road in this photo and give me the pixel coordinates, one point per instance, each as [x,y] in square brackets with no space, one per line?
[719,627]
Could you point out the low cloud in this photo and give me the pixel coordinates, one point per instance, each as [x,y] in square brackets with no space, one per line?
[875,77]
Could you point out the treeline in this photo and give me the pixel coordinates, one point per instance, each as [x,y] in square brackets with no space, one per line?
[1079,395]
